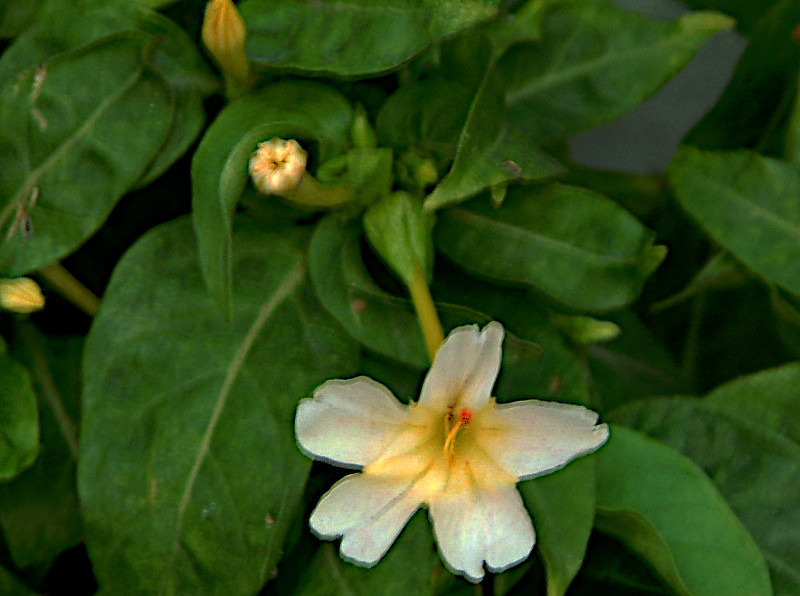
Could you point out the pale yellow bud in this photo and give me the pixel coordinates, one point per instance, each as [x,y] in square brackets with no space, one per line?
[277,166]
[224,35]
[21,295]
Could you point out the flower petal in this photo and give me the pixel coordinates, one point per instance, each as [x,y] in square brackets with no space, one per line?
[349,421]
[466,367]
[529,438]
[369,512]
[478,525]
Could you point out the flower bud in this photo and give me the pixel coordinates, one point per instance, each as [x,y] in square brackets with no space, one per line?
[224,35]
[20,295]
[416,169]
[277,166]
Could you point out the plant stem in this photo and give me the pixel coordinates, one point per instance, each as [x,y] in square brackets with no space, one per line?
[426,313]
[70,288]
[48,388]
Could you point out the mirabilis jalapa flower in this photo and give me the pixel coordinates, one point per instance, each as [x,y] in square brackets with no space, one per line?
[455,450]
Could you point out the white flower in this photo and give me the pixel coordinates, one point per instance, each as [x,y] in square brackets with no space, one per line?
[454,450]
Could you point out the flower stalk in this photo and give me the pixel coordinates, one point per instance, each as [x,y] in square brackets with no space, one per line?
[278,167]
[70,288]
[426,313]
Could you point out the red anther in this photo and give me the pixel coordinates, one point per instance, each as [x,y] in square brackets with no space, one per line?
[465,417]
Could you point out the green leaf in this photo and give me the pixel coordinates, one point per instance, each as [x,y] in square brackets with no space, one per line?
[400,233]
[39,511]
[754,468]
[563,506]
[301,110]
[573,244]
[633,366]
[172,53]
[768,398]
[19,418]
[406,569]
[746,12]
[748,203]
[756,102]
[491,151]
[11,586]
[425,114]
[360,37]
[189,474]
[79,131]
[594,63]
[666,509]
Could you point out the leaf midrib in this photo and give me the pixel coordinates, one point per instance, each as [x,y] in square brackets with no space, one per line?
[79,133]
[284,290]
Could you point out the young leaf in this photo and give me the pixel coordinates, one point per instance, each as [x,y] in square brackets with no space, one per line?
[594,62]
[334,38]
[19,417]
[666,509]
[189,474]
[748,203]
[79,130]
[491,150]
[291,109]
[573,244]
[753,467]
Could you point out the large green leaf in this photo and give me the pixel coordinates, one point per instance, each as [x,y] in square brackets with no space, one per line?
[573,244]
[19,417]
[756,469]
[299,110]
[666,509]
[748,203]
[39,509]
[359,37]
[756,102]
[406,568]
[189,474]
[11,586]
[595,62]
[78,131]
[172,53]
[491,151]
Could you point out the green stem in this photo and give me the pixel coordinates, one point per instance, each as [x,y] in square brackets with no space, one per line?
[70,288]
[48,388]
[426,313]
[689,364]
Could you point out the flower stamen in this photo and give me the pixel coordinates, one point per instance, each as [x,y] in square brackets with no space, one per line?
[464,420]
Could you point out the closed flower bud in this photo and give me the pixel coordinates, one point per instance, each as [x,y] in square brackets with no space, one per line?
[224,35]
[21,295]
[277,166]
